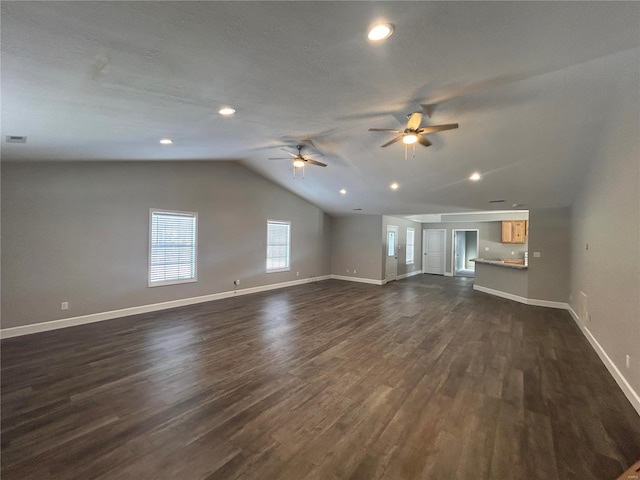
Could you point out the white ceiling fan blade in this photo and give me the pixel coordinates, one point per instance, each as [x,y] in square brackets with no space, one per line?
[438,128]
[290,153]
[385,130]
[424,141]
[415,119]
[392,141]
[313,162]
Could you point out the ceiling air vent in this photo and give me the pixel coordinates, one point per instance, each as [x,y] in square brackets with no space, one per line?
[357,209]
[496,201]
[16,139]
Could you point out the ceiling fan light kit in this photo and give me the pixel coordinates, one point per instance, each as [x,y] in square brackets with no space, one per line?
[410,138]
[300,160]
[413,132]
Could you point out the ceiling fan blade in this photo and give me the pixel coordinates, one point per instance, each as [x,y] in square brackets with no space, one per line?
[279,158]
[424,141]
[415,119]
[385,130]
[313,162]
[290,153]
[392,141]
[438,128]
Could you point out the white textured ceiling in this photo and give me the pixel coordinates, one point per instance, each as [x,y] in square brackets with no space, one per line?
[530,83]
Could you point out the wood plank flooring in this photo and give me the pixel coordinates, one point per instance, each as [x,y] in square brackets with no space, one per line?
[423,378]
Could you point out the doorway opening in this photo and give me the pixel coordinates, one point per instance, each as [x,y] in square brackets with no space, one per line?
[464,248]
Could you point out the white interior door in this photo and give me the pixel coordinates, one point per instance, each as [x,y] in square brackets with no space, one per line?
[433,253]
[391,263]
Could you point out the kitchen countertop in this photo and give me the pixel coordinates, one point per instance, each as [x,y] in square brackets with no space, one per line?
[499,263]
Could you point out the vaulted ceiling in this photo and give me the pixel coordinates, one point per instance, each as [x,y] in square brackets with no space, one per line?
[533,86]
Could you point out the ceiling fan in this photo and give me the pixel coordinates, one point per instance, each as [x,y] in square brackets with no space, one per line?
[413,132]
[300,160]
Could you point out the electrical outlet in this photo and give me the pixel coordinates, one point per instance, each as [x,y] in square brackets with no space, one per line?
[536,254]
[486,249]
[64,306]
[627,360]
[297,274]
[513,253]
[354,270]
[347,270]
[236,282]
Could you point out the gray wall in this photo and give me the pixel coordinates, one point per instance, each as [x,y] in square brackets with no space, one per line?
[605,217]
[503,279]
[489,236]
[79,232]
[550,235]
[355,244]
[403,224]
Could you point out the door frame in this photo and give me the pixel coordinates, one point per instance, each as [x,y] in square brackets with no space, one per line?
[444,248]
[453,245]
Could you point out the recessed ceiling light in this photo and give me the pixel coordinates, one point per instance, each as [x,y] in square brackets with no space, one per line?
[380,31]
[343,191]
[166,141]
[410,138]
[394,186]
[227,111]
[475,176]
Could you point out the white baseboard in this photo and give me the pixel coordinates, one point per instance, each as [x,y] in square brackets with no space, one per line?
[518,298]
[370,281]
[617,375]
[409,274]
[448,274]
[125,312]
[498,293]
[547,303]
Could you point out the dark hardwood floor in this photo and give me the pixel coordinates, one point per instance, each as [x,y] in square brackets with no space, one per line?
[423,378]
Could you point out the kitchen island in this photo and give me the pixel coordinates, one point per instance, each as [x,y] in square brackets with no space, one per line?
[497,277]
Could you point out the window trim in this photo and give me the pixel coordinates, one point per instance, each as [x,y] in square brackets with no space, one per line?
[288,267]
[195,245]
[413,247]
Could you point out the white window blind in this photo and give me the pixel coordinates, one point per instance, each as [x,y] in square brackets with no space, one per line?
[172,247]
[411,234]
[278,247]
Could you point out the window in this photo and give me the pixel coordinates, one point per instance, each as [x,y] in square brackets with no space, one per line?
[391,243]
[172,247]
[411,236]
[278,246]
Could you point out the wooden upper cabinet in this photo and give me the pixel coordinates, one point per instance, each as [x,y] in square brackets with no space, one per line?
[514,231]
[518,231]
[507,235]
